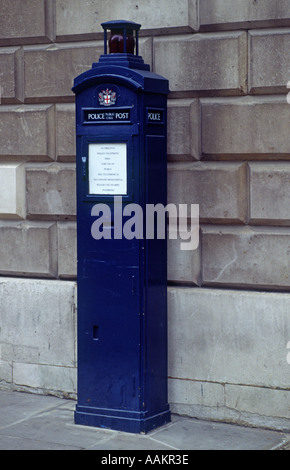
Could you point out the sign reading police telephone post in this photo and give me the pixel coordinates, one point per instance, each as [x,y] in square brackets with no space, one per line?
[106,116]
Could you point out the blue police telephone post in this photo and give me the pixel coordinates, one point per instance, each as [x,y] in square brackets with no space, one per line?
[121,115]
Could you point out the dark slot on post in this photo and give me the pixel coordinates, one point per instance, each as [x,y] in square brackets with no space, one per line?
[95,332]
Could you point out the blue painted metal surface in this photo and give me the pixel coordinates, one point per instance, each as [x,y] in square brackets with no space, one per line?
[122,283]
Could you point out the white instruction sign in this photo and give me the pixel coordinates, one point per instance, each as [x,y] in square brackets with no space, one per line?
[108,168]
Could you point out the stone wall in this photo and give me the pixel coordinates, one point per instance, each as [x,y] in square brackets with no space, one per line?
[228,151]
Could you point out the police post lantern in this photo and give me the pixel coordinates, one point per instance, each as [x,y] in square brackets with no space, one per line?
[121,112]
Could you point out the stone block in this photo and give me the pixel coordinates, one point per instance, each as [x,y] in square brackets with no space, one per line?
[38,322]
[156,16]
[53,379]
[65,132]
[183,265]
[207,63]
[38,334]
[252,127]
[11,75]
[28,249]
[246,257]
[263,402]
[26,21]
[67,249]
[12,191]
[229,337]
[145,50]
[27,132]
[51,191]
[235,14]
[183,135]
[220,189]
[6,370]
[189,392]
[269,193]
[49,71]
[268,66]
[248,406]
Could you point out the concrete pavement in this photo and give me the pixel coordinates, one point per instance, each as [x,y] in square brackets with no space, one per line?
[37,422]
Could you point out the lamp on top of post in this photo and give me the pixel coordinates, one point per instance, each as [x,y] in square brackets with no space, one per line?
[122,39]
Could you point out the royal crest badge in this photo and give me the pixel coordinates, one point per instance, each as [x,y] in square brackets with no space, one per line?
[107,97]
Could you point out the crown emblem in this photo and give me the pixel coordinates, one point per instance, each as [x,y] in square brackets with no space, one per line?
[107,97]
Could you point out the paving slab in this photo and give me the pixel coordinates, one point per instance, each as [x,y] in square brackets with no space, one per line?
[16,407]
[37,422]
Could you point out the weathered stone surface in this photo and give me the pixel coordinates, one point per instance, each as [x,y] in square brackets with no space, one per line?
[258,401]
[37,336]
[27,132]
[36,316]
[51,191]
[12,191]
[220,189]
[65,132]
[268,66]
[6,370]
[49,71]
[157,15]
[253,406]
[228,336]
[246,256]
[28,249]
[11,75]
[235,14]
[183,265]
[67,249]
[270,193]
[183,135]
[203,62]
[26,21]
[188,393]
[52,379]
[248,126]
